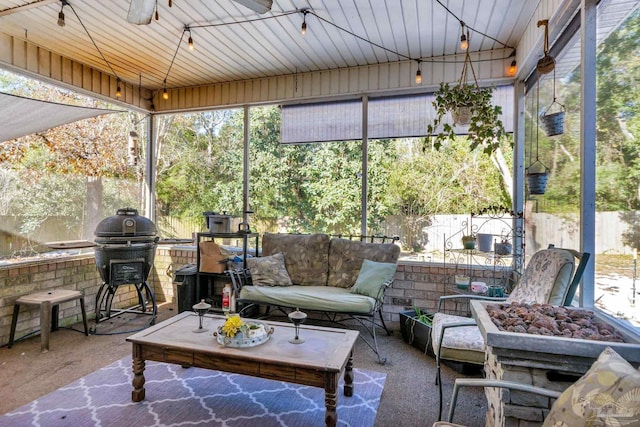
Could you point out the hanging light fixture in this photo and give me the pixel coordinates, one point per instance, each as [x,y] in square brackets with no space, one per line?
[419,73]
[118,89]
[61,22]
[191,46]
[513,67]
[165,94]
[303,28]
[464,42]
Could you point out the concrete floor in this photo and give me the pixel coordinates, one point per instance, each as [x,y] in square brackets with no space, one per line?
[410,396]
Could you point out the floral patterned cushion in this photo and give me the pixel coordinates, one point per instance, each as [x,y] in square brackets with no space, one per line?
[269,271]
[346,256]
[306,256]
[464,343]
[546,278]
[608,394]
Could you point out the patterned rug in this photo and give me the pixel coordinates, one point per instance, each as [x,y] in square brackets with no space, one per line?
[195,397]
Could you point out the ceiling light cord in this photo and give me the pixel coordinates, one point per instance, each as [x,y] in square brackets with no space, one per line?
[471,28]
[190,41]
[61,21]
[360,37]
[513,67]
[165,94]
[303,28]
[464,38]
[66,3]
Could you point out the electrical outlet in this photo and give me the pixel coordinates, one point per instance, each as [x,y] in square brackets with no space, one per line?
[407,302]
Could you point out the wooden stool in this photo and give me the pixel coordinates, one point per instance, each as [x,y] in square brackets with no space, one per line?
[49,302]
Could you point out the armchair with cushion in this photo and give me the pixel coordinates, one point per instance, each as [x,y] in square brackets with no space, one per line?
[549,277]
[607,394]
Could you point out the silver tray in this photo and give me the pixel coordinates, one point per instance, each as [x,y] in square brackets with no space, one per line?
[240,341]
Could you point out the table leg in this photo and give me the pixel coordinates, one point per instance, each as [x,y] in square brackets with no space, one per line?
[138,392]
[45,325]
[348,377]
[331,399]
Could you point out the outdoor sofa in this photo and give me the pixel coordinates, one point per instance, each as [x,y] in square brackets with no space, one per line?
[340,278]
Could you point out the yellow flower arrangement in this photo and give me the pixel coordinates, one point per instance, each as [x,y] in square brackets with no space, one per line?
[232,325]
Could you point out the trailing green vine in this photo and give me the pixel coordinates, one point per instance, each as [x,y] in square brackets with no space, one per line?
[485,127]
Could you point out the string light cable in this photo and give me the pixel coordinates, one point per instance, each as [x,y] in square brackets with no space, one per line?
[66,3]
[305,12]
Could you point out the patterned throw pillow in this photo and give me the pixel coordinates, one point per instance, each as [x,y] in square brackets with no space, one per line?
[269,271]
[608,394]
[372,275]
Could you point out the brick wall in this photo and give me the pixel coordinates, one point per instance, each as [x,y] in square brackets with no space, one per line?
[417,284]
[76,273]
[421,284]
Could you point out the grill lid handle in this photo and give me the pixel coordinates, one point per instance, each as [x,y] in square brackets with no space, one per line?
[127,211]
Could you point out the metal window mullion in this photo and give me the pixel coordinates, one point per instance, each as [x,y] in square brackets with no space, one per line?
[365,162]
[588,28]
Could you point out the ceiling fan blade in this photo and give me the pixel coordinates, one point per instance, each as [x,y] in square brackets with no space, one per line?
[259,6]
[141,11]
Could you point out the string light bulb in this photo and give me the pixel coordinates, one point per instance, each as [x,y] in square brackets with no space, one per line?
[419,74]
[165,94]
[61,21]
[118,89]
[513,68]
[191,46]
[303,28]
[464,42]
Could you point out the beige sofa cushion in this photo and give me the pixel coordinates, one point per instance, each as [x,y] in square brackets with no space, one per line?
[306,256]
[346,256]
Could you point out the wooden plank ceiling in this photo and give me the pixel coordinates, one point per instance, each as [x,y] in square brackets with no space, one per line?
[239,47]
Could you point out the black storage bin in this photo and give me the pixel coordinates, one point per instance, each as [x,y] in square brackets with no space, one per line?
[185,287]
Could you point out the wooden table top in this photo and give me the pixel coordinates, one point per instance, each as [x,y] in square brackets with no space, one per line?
[324,348]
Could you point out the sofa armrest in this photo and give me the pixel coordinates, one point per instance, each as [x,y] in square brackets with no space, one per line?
[381,291]
[240,277]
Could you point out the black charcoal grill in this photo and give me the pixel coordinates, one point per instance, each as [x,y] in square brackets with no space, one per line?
[125,251]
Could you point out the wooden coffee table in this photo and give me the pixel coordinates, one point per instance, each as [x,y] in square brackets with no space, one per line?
[318,362]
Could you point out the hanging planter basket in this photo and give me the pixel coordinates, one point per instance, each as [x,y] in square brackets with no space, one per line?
[461,116]
[553,123]
[547,63]
[537,176]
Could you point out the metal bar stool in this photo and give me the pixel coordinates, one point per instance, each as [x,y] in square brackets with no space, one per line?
[49,303]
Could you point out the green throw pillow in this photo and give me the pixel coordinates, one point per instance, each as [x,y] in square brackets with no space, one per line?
[372,275]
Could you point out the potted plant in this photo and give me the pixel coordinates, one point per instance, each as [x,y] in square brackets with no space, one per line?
[485,127]
[469,242]
[415,327]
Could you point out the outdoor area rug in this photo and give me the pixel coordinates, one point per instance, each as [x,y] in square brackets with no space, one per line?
[176,396]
